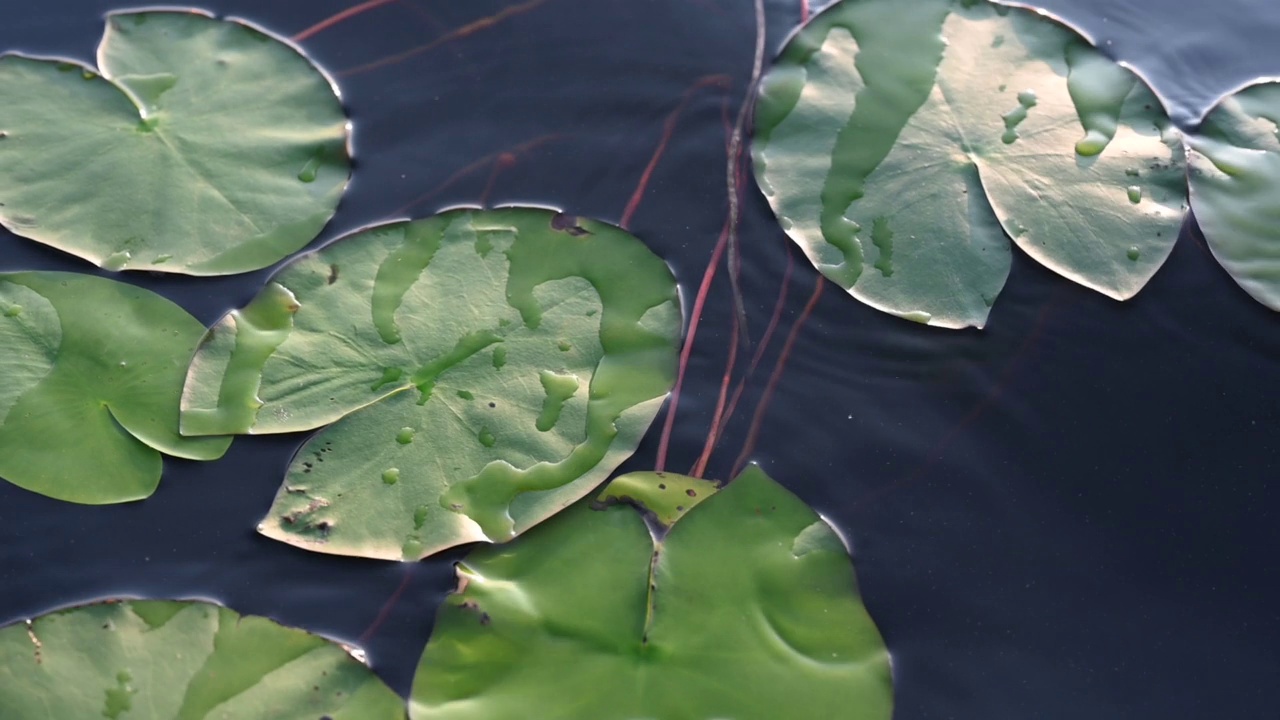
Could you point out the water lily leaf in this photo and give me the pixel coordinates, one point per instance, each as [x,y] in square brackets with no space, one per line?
[180,660]
[482,370]
[900,144]
[1235,187]
[746,608]
[93,372]
[204,147]
[662,497]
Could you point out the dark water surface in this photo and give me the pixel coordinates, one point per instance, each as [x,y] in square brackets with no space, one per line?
[1067,515]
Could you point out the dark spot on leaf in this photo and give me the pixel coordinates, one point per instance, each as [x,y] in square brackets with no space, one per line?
[472,606]
[493,405]
[662,486]
[569,224]
[691,492]
[679,508]
[333,274]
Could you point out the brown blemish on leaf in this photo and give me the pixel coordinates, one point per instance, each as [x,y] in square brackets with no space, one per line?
[569,224]
[333,274]
[472,606]
[31,633]
[314,505]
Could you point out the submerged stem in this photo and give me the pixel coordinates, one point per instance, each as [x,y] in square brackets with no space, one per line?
[717,431]
[340,17]
[696,317]
[467,30]
[668,128]
[749,446]
[733,175]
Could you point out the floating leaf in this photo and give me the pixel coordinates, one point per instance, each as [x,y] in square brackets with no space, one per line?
[171,660]
[663,497]
[483,370]
[204,147]
[93,373]
[746,608]
[1234,163]
[899,142]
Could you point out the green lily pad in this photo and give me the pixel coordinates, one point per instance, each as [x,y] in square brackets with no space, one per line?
[664,498]
[180,660]
[1234,175]
[899,143]
[481,370]
[204,147]
[746,608]
[93,372]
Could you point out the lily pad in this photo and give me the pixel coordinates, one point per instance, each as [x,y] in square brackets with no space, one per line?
[199,146]
[93,372]
[746,608]
[899,143]
[481,370]
[1235,187]
[180,660]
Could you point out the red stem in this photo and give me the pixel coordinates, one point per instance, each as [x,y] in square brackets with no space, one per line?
[733,173]
[699,301]
[804,11]
[717,431]
[499,157]
[668,128]
[339,17]
[467,30]
[502,162]
[385,612]
[700,467]
[772,385]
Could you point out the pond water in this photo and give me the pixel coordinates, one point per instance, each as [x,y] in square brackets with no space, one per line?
[1066,515]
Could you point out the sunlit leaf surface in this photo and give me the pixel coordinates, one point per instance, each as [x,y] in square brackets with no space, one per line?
[900,144]
[481,371]
[747,608]
[204,147]
[92,375]
[169,660]
[1235,187]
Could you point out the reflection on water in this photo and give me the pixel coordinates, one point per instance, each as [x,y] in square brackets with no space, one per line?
[1065,515]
